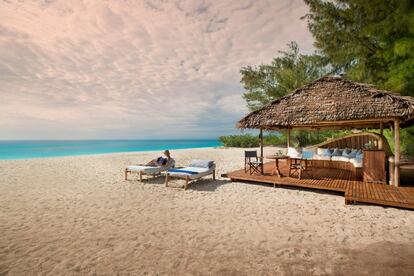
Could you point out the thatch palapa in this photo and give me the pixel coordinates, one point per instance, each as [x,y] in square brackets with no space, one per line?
[333,102]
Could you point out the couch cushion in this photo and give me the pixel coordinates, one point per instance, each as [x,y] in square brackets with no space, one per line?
[340,158]
[346,152]
[320,151]
[311,149]
[294,152]
[357,162]
[352,154]
[307,154]
[337,152]
[324,152]
[360,154]
[321,157]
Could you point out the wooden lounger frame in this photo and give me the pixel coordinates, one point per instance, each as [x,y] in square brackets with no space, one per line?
[186,178]
[141,173]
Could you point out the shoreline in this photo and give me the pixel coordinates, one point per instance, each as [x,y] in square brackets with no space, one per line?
[104,154]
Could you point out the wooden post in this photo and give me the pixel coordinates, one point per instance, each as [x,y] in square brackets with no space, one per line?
[391,169]
[186,182]
[261,148]
[380,142]
[288,137]
[166,179]
[397,153]
[126,174]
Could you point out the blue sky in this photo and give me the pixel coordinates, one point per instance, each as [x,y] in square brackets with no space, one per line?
[73,69]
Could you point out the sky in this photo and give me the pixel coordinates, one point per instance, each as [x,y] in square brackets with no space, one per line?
[135,69]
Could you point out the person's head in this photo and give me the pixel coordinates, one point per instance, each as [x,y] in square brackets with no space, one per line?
[167,154]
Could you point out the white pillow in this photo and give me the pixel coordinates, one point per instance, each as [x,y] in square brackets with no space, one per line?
[294,152]
[337,152]
[311,149]
[320,151]
[324,152]
[353,153]
[346,152]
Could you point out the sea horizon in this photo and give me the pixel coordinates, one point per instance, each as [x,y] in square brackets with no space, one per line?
[29,149]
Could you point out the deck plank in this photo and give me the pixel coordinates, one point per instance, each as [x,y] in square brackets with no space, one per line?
[334,180]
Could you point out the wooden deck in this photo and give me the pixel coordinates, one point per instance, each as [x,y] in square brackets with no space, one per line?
[334,180]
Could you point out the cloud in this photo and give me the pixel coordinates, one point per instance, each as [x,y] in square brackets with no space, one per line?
[134,69]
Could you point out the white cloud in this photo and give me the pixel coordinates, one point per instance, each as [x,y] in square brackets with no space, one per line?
[134,69]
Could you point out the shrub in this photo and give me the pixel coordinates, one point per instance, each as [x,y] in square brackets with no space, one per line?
[240,141]
[406,141]
[249,141]
[274,140]
[298,138]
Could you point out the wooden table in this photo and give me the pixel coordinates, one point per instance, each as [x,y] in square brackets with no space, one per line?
[276,158]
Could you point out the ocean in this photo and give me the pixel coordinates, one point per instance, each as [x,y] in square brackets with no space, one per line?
[37,149]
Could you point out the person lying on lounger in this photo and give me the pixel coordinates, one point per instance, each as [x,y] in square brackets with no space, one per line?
[154,167]
[166,161]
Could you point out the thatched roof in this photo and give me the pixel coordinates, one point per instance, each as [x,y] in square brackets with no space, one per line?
[331,102]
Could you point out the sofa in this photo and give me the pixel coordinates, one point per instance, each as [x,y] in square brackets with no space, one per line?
[353,156]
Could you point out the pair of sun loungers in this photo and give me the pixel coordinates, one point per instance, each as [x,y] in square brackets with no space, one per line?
[195,170]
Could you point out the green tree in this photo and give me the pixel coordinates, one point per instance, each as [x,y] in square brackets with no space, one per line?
[370,41]
[267,82]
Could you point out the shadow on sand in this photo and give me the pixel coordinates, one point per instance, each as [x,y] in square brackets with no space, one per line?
[202,185]
[207,185]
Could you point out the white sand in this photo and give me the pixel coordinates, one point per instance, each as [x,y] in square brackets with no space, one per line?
[76,215]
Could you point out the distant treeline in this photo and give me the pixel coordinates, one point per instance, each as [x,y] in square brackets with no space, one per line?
[298,138]
[250,141]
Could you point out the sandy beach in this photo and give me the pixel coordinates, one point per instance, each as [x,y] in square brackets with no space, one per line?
[77,216]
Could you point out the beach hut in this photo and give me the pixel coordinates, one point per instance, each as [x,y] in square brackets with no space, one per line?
[336,103]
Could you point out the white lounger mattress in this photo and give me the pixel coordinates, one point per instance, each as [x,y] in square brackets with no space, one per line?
[146,169]
[199,172]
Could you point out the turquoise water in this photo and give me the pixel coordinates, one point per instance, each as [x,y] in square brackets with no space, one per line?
[37,149]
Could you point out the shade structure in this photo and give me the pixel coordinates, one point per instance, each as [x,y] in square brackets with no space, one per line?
[333,102]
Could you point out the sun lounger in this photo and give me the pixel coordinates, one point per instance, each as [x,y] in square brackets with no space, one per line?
[148,170]
[196,170]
